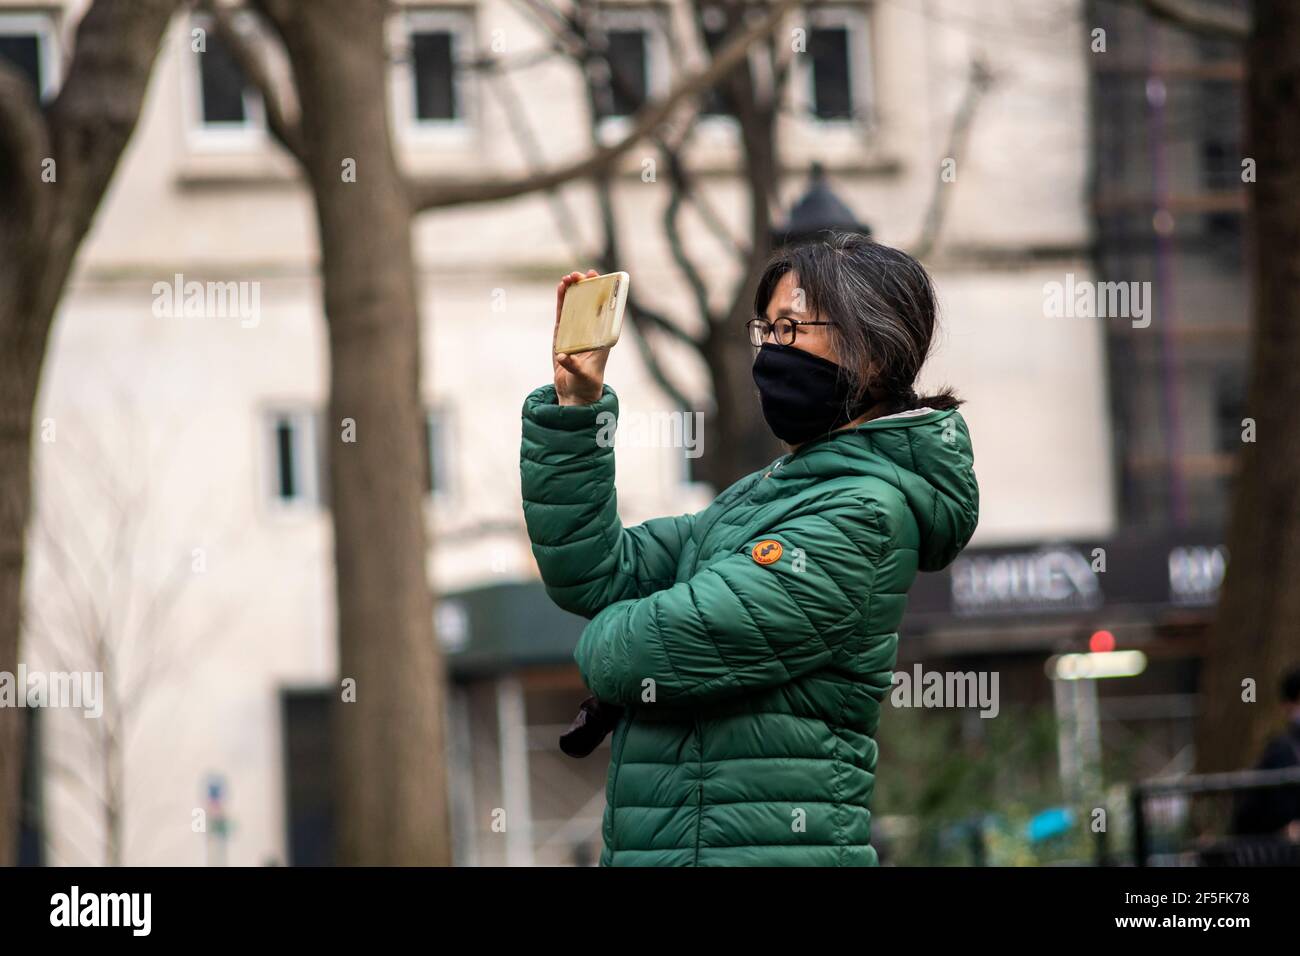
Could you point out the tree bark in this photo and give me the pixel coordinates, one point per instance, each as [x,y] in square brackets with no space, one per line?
[738,439]
[392,806]
[42,224]
[1255,632]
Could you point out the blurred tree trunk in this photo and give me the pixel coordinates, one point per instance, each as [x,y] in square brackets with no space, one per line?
[739,440]
[1256,634]
[391,787]
[55,165]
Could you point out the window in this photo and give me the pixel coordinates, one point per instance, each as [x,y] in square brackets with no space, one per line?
[437,447]
[226,109]
[717,26]
[714,28]
[296,469]
[835,65]
[1218,108]
[629,72]
[435,79]
[221,86]
[832,94]
[431,83]
[27,44]
[638,62]
[294,472]
[1229,410]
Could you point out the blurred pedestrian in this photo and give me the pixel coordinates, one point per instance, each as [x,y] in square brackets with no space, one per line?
[1276,809]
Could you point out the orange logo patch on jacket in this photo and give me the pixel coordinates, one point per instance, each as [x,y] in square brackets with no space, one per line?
[765,552]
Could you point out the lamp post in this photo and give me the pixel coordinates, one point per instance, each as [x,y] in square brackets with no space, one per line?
[1074,689]
[816,213]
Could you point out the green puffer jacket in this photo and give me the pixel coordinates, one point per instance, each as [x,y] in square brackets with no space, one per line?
[752,643]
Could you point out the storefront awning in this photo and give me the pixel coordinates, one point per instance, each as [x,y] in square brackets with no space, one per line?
[504,626]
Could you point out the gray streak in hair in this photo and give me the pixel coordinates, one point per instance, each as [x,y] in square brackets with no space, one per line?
[882,307]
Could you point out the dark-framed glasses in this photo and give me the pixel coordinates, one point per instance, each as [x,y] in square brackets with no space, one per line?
[785,329]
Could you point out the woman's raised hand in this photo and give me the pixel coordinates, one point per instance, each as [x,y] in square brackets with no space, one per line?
[579,379]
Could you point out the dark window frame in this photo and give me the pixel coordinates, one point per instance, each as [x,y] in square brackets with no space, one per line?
[252,125]
[298,479]
[458,23]
[41,28]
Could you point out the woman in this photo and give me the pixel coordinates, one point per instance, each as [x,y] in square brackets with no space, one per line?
[751,645]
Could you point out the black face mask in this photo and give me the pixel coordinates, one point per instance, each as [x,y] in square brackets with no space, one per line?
[804,396]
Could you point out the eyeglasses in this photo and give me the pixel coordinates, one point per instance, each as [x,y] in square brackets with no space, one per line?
[786,329]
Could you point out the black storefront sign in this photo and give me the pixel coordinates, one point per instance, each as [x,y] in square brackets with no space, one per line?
[1068,577]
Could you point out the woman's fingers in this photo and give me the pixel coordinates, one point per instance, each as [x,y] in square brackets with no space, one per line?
[559,307]
[584,365]
[573,364]
[589,364]
[560,289]
[564,284]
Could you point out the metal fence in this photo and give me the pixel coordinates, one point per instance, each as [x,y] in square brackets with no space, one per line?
[1224,819]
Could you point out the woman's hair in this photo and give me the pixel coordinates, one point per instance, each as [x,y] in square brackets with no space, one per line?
[882,308]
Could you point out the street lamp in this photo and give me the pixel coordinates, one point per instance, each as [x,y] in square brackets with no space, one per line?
[1074,689]
[817,212]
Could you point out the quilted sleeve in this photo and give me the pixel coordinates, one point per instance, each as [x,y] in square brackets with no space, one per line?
[739,625]
[586,557]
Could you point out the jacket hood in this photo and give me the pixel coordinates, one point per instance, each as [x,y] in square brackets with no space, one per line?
[925,454]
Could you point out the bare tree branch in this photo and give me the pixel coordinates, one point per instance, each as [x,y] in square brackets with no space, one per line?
[714,222]
[109,618]
[557,25]
[94,817]
[83,787]
[508,64]
[610,258]
[708,215]
[159,665]
[435,195]
[652,363]
[672,229]
[573,36]
[981,78]
[530,146]
[1196,16]
[280,105]
[73,580]
[661,322]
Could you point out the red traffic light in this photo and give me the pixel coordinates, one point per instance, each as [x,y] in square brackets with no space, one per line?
[1101,642]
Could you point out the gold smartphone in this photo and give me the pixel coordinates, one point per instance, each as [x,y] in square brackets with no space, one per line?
[592,316]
